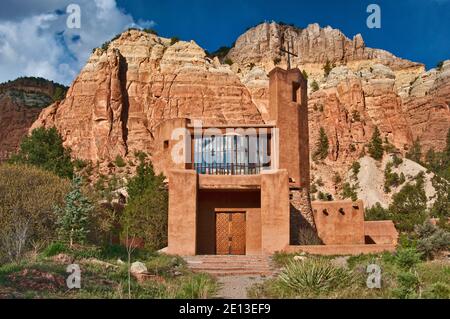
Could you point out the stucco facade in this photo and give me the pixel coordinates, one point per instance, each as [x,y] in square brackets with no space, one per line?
[253,208]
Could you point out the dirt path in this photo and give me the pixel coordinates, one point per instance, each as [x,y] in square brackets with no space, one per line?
[235,287]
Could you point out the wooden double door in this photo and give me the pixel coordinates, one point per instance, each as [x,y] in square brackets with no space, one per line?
[230,233]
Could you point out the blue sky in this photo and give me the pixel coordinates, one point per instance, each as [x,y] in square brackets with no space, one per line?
[35,41]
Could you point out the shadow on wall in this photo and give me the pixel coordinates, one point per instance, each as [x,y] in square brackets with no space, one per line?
[301,232]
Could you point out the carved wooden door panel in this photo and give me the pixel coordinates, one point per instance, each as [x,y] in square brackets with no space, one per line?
[230,233]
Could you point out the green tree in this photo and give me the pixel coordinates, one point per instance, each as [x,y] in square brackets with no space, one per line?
[44,148]
[349,191]
[415,153]
[144,180]
[145,217]
[59,94]
[356,168]
[409,206]
[376,145]
[74,216]
[377,212]
[146,214]
[441,206]
[322,146]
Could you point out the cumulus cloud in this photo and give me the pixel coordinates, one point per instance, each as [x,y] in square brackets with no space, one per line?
[39,43]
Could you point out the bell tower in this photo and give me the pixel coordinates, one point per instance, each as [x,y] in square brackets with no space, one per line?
[288,108]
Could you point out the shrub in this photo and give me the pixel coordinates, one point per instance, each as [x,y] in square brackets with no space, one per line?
[349,191]
[54,249]
[150,31]
[407,257]
[221,53]
[408,207]
[377,212]
[119,161]
[440,65]
[276,61]
[408,285]
[59,94]
[198,286]
[431,239]
[228,61]
[438,290]
[376,145]
[315,86]
[174,40]
[327,68]
[325,197]
[27,196]
[397,161]
[322,146]
[356,168]
[44,148]
[391,179]
[314,275]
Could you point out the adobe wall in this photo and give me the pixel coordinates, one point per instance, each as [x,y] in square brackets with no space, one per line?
[212,201]
[340,222]
[163,146]
[274,211]
[381,232]
[182,231]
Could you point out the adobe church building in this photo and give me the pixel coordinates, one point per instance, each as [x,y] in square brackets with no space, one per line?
[235,206]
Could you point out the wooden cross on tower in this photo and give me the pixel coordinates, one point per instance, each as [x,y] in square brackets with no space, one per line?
[290,46]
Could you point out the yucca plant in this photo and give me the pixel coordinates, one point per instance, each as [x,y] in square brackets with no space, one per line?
[314,275]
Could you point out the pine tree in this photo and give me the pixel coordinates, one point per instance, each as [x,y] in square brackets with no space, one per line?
[322,146]
[376,145]
[415,153]
[73,218]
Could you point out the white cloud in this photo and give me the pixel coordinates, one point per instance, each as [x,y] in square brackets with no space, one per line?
[40,44]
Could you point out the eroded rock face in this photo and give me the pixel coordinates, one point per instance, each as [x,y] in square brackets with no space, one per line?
[314,46]
[428,108]
[141,80]
[21,101]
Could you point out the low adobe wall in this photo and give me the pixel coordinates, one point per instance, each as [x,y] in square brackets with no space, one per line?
[341,250]
[381,232]
[340,222]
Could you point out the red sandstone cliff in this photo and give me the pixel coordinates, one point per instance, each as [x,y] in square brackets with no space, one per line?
[21,102]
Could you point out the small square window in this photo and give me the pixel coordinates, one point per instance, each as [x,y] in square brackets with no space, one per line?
[166,144]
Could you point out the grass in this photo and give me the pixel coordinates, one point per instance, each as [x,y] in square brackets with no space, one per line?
[174,279]
[403,276]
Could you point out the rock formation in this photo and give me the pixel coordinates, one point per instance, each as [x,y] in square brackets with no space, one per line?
[140,80]
[21,101]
